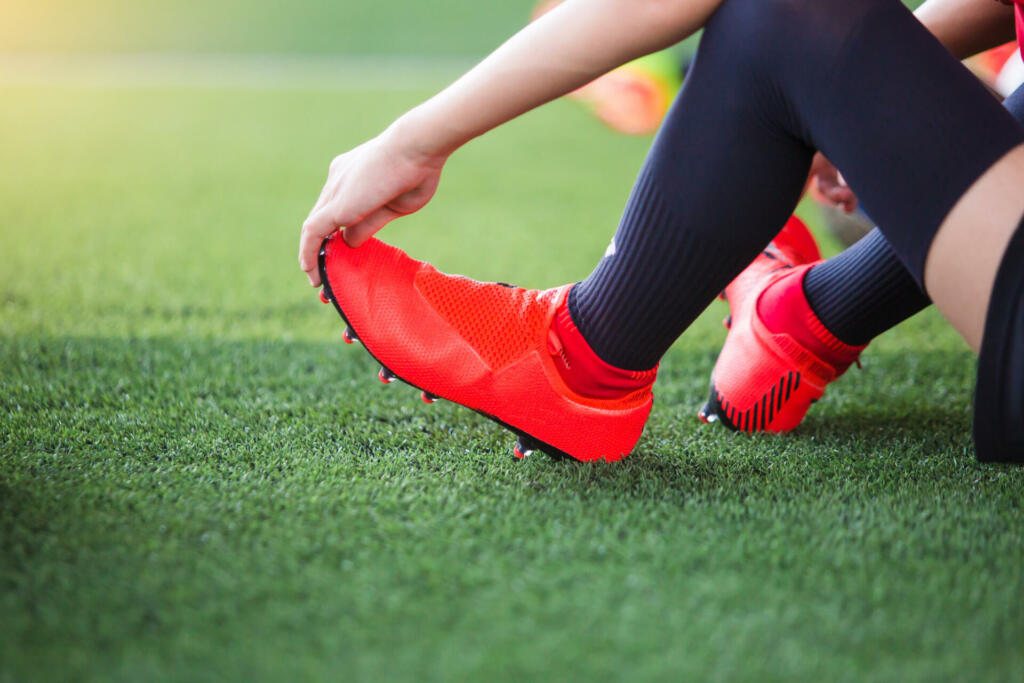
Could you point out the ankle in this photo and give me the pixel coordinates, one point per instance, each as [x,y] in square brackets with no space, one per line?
[581,368]
[784,309]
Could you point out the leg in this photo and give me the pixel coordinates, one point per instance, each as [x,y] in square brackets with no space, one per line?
[773,80]
[968,249]
[865,290]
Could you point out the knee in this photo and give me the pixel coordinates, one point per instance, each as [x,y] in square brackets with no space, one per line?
[788,34]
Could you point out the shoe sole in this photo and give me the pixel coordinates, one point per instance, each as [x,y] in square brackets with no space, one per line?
[757,418]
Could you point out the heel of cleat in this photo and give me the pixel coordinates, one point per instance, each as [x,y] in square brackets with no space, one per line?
[386,376]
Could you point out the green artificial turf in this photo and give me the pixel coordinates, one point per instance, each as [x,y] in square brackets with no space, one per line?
[199,481]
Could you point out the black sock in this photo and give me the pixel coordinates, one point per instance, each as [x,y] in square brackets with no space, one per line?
[656,277]
[863,291]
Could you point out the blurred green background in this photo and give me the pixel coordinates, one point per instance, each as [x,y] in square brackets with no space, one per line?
[380,27]
[199,481]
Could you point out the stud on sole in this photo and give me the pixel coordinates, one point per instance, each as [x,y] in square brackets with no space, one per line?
[525,446]
[706,415]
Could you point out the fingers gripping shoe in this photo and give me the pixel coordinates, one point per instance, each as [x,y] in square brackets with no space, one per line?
[765,380]
[487,346]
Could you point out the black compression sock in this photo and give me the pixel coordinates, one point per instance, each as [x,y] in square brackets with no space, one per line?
[863,291]
[655,278]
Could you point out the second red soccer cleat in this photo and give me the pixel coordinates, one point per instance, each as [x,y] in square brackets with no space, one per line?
[765,379]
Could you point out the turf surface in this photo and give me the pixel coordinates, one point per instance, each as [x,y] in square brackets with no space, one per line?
[198,480]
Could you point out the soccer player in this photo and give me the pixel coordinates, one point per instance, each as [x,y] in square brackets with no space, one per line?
[932,156]
[795,321]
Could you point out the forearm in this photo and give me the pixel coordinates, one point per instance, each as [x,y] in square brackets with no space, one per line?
[561,51]
[967,27]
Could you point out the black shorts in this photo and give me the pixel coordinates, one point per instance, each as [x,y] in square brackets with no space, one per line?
[999,393]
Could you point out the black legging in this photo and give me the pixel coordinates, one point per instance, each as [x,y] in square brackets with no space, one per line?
[865,290]
[773,80]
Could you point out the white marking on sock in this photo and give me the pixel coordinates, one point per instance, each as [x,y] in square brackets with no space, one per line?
[610,251]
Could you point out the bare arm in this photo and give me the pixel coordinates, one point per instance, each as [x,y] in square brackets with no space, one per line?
[397,172]
[967,27]
[566,48]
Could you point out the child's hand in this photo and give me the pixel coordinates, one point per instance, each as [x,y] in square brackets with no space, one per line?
[832,185]
[366,189]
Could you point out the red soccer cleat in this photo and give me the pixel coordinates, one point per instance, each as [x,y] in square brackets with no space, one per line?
[765,380]
[488,346]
